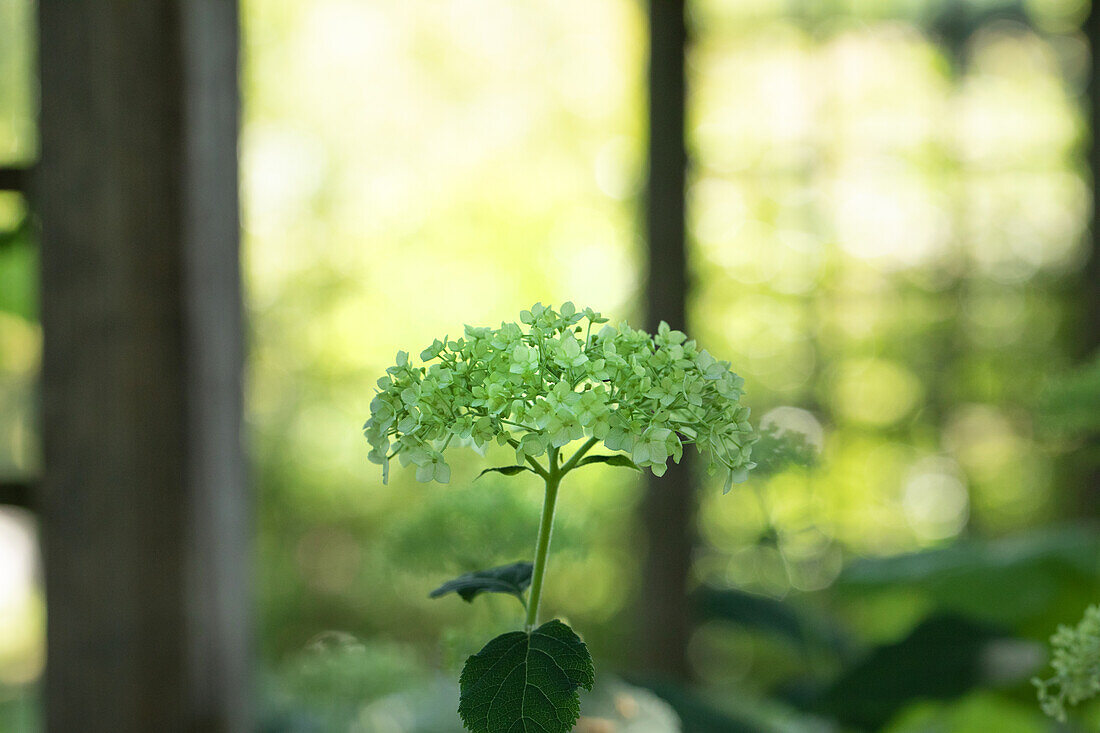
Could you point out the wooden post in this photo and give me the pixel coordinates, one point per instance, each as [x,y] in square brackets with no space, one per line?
[143,505]
[1086,336]
[668,509]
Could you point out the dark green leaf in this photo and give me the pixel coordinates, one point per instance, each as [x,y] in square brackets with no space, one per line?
[771,616]
[943,658]
[616,460]
[512,579]
[1020,582]
[526,682]
[506,470]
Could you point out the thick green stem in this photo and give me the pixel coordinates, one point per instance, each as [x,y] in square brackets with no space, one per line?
[542,547]
[553,478]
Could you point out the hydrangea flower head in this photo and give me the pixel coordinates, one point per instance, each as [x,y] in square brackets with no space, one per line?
[554,377]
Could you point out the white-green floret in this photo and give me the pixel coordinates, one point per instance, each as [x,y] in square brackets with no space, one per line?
[1076,664]
[556,377]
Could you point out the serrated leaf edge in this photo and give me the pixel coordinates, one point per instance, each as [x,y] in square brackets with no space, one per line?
[587,682]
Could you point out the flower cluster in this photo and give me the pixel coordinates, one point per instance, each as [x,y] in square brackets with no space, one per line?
[1076,666]
[549,380]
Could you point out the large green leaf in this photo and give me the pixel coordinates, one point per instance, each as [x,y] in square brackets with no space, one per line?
[526,683]
[943,658]
[512,579]
[1024,582]
[771,616]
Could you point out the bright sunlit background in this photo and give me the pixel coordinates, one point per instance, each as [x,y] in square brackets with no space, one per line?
[888,205]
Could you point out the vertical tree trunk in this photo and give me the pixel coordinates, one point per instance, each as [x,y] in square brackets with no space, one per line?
[1088,335]
[143,506]
[1090,332]
[668,510]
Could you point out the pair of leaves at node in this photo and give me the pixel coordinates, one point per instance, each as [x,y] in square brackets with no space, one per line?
[520,682]
[526,682]
[617,459]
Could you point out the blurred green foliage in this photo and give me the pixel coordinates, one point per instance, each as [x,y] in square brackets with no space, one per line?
[21,609]
[1071,404]
[888,206]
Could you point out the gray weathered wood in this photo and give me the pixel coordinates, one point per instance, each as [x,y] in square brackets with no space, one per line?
[143,504]
[668,509]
